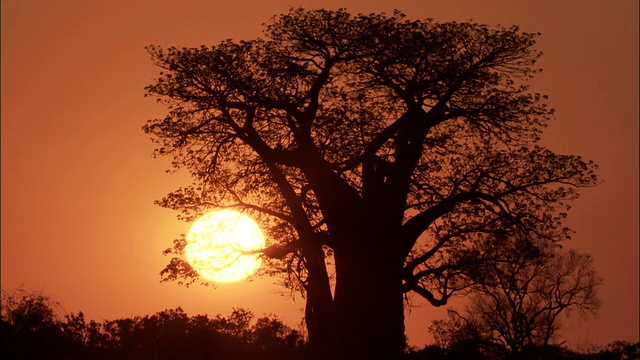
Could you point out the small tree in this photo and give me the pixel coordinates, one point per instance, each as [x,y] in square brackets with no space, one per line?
[396,146]
[28,310]
[521,306]
[31,328]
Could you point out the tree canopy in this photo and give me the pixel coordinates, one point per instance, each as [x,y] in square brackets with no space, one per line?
[407,150]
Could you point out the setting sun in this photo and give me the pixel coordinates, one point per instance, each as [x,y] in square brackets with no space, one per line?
[219,245]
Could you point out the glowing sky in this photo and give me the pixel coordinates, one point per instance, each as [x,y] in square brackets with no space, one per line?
[78,181]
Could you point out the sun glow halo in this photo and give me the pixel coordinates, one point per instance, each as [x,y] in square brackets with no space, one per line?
[219,246]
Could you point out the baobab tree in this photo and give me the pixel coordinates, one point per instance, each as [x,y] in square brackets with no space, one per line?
[394,146]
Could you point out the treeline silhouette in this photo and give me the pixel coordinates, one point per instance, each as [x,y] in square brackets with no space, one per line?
[31,329]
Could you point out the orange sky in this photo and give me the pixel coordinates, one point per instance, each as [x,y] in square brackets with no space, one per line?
[78,181]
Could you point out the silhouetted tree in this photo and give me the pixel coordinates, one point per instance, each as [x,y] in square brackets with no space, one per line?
[31,328]
[394,146]
[519,308]
[28,310]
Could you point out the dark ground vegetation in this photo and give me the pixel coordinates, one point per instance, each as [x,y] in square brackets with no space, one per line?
[32,330]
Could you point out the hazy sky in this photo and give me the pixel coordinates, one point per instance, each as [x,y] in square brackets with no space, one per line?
[78,179]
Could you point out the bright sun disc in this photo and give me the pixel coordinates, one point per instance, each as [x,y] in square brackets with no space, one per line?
[217,246]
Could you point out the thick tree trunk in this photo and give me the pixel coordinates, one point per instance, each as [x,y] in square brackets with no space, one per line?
[368,314]
[319,300]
